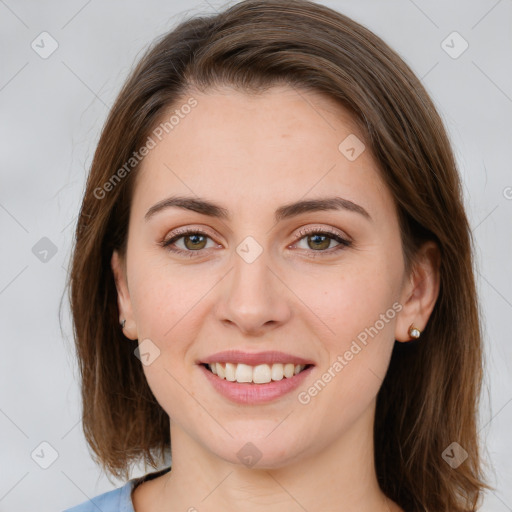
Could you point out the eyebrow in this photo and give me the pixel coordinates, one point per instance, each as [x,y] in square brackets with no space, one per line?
[287,211]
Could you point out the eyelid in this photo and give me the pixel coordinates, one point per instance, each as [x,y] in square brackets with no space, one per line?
[324,229]
[188,229]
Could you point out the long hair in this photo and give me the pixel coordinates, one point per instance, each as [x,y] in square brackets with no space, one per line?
[430,395]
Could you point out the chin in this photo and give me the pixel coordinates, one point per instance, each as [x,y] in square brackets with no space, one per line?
[261,452]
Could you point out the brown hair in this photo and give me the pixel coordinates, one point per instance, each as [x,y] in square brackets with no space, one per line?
[430,395]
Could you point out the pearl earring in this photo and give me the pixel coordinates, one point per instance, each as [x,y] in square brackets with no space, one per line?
[414,332]
[122,323]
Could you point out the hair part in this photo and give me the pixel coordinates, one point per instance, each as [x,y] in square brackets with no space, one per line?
[429,397]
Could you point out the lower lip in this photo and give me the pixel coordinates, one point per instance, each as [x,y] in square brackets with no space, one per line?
[250,393]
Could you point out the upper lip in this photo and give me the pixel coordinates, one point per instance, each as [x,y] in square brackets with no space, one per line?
[254,358]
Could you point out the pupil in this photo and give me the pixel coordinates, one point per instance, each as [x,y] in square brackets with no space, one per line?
[194,239]
[321,241]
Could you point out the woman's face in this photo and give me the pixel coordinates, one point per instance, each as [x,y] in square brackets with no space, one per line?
[266,278]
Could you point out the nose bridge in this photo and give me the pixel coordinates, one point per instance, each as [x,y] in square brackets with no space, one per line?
[253,296]
[251,270]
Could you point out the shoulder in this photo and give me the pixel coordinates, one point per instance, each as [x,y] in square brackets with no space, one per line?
[117,500]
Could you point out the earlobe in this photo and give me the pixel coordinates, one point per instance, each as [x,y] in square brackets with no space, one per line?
[419,294]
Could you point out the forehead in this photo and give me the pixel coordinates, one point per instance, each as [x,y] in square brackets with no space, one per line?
[271,147]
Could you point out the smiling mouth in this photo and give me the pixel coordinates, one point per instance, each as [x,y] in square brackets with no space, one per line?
[259,374]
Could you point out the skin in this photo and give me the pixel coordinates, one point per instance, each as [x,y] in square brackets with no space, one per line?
[253,154]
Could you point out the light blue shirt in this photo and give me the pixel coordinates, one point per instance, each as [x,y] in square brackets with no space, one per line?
[117,500]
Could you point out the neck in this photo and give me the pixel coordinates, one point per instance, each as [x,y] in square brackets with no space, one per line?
[335,477]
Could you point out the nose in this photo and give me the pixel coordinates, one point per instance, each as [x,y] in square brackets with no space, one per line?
[253,297]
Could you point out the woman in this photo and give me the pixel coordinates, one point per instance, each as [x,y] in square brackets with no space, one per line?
[273,269]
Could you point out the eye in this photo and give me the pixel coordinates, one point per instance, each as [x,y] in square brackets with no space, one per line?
[194,241]
[319,241]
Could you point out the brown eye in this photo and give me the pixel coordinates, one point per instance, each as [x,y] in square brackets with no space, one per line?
[320,240]
[193,241]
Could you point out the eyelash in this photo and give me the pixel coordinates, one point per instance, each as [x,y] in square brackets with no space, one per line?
[343,243]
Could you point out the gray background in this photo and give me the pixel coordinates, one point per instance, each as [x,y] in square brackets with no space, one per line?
[52,111]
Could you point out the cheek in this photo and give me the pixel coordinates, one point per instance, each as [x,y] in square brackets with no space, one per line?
[166,306]
[360,314]
[357,309]
[163,298]
[349,300]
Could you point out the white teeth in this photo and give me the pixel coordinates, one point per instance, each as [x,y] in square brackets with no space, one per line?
[243,373]
[277,372]
[289,370]
[230,372]
[260,374]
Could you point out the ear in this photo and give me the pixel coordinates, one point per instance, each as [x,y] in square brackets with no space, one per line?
[420,292]
[124,303]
